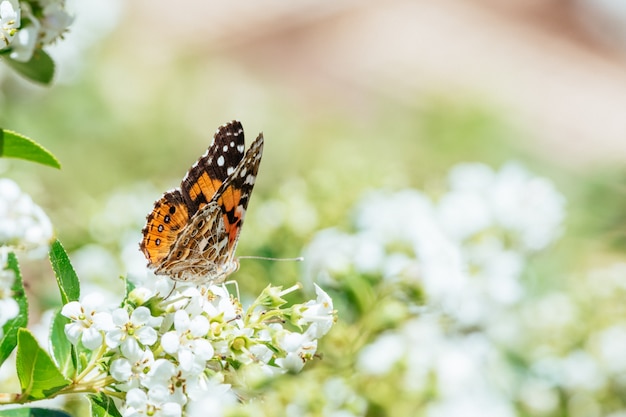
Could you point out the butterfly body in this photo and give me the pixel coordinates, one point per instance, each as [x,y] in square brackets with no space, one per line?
[192,232]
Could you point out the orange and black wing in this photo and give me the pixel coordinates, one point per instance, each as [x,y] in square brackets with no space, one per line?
[206,176]
[234,194]
[169,216]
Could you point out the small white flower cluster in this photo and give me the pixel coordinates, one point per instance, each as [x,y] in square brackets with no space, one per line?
[27,25]
[464,254]
[198,343]
[23,224]
[9,308]
[459,368]
[466,249]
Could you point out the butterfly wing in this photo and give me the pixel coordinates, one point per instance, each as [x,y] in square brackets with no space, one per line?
[234,194]
[169,216]
[221,158]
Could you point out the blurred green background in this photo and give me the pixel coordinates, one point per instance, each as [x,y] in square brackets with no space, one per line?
[350,96]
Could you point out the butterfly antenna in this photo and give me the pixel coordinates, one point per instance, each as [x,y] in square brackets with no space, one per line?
[265,258]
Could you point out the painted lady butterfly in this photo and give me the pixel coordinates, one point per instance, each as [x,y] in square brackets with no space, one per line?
[192,232]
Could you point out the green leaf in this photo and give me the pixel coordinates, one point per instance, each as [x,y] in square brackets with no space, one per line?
[33,412]
[63,352]
[15,145]
[67,279]
[40,68]
[103,406]
[38,375]
[9,339]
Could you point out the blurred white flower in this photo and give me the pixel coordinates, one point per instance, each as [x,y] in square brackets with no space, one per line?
[23,224]
[467,250]
[514,200]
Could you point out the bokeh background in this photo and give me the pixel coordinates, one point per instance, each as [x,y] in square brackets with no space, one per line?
[351,96]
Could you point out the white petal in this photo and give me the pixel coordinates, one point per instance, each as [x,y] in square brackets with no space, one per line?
[120,317]
[171,410]
[73,309]
[140,316]
[199,326]
[114,338]
[292,362]
[146,335]
[103,321]
[121,370]
[136,398]
[170,342]
[186,359]
[131,349]
[203,349]
[73,332]
[92,338]
[181,321]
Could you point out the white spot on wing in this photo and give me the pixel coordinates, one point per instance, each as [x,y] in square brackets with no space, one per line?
[240,148]
[225,148]
[243,172]
[229,170]
[220,161]
[232,144]
[250,179]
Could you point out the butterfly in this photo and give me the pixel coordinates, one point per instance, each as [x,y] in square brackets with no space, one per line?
[192,232]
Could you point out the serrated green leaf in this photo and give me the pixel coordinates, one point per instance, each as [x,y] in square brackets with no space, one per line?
[9,330]
[33,412]
[63,352]
[15,145]
[40,68]
[103,406]
[38,375]
[67,279]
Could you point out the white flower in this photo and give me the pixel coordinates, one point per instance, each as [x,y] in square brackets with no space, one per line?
[22,222]
[131,373]
[87,323]
[188,341]
[319,313]
[154,404]
[164,374]
[9,21]
[299,348]
[216,300]
[213,403]
[54,22]
[130,332]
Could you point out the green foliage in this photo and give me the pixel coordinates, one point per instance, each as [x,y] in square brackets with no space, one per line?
[33,412]
[15,145]
[64,272]
[40,68]
[63,352]
[103,406]
[10,329]
[38,375]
